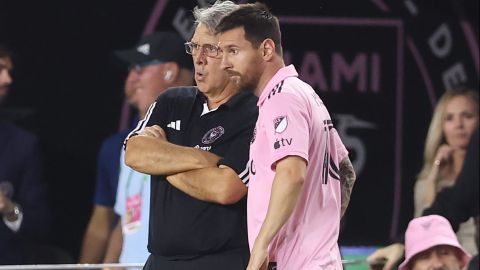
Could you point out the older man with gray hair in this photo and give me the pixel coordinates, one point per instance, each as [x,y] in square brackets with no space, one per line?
[194,143]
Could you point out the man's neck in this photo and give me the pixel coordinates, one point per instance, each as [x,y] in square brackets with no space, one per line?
[270,70]
[215,100]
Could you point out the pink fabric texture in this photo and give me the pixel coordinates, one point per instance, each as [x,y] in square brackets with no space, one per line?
[293,121]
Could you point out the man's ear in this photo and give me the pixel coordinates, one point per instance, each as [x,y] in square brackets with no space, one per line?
[268,49]
[171,71]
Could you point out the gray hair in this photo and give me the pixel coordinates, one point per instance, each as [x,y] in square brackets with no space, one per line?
[211,16]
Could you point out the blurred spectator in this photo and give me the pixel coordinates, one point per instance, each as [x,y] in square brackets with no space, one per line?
[23,205]
[167,65]
[152,69]
[430,243]
[454,120]
[457,204]
[103,219]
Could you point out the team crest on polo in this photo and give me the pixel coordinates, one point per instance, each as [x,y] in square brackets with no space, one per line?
[213,134]
[280,123]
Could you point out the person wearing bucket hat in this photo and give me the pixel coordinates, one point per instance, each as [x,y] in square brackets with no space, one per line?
[457,204]
[431,243]
[158,61]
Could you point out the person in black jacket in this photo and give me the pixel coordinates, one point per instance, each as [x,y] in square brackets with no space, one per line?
[457,204]
[23,205]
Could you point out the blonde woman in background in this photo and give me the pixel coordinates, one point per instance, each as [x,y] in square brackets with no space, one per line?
[454,120]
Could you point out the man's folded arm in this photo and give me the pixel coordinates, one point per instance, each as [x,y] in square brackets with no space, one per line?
[219,185]
[159,157]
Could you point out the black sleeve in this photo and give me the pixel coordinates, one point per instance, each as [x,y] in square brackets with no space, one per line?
[32,196]
[460,202]
[156,115]
[237,155]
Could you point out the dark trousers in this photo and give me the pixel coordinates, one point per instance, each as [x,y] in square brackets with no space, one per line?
[231,260]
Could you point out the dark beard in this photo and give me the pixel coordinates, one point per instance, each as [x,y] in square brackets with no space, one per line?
[245,86]
[248,86]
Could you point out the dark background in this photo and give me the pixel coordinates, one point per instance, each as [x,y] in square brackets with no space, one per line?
[68,90]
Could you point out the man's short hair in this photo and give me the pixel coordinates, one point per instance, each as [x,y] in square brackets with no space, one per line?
[211,16]
[258,23]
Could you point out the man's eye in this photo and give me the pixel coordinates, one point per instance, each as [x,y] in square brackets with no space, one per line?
[210,48]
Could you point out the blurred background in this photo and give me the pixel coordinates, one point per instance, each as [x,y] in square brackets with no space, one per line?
[379,66]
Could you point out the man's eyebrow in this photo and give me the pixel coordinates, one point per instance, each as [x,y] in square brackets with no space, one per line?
[228,45]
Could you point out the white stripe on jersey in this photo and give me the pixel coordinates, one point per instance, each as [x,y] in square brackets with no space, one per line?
[244,176]
[141,124]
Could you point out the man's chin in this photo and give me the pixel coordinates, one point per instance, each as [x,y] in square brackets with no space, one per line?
[235,78]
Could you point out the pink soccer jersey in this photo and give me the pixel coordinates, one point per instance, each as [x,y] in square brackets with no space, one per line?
[293,121]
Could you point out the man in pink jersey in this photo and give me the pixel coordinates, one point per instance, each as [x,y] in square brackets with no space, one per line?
[300,174]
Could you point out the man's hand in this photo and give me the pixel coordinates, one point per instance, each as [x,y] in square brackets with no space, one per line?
[444,155]
[390,254]
[258,258]
[154,132]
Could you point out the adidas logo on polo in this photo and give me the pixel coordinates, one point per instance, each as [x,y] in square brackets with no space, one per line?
[174,124]
[145,49]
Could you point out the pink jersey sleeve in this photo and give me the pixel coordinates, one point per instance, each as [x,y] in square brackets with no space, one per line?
[286,124]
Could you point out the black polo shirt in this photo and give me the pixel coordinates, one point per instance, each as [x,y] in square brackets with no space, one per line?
[182,227]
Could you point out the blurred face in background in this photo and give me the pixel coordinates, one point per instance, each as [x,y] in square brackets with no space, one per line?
[441,257]
[144,83]
[459,122]
[5,77]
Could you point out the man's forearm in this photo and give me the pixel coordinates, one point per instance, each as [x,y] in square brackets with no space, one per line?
[97,235]
[286,190]
[347,180]
[159,157]
[218,185]
[114,249]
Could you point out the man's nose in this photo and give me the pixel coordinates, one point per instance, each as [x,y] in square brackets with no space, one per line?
[225,64]
[436,262]
[200,57]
